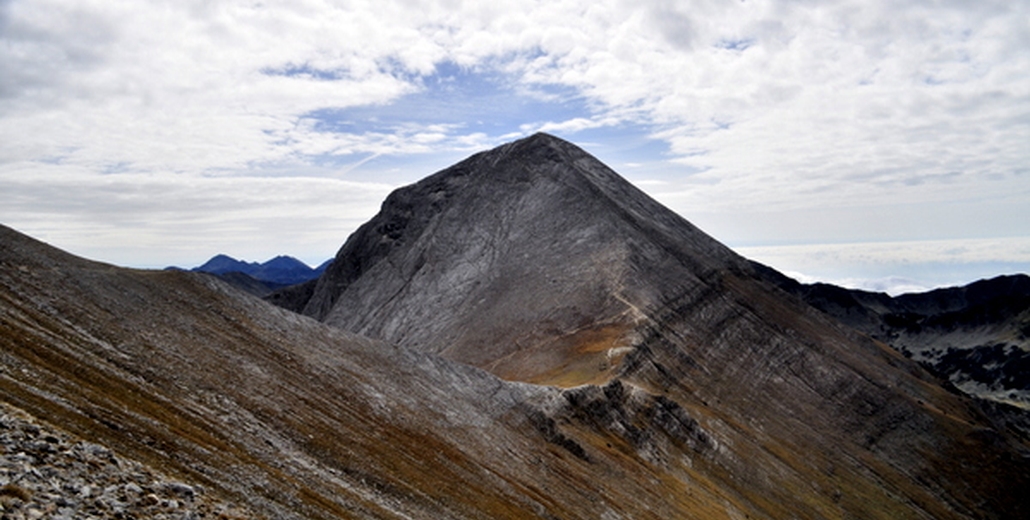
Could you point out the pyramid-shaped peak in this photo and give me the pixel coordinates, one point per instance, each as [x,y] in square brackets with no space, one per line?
[222,263]
[543,140]
[537,221]
[530,159]
[541,147]
[284,262]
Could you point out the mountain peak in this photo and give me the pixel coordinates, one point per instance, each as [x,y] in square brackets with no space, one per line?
[279,271]
[286,262]
[537,234]
[522,160]
[222,263]
[536,262]
[544,144]
[544,138]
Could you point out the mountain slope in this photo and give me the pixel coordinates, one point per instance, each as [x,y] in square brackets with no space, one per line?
[293,419]
[538,263]
[487,238]
[976,336]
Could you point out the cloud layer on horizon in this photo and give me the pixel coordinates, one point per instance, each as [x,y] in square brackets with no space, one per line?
[773,106]
[897,267]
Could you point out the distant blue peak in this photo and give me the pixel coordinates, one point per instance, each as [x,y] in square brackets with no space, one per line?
[283,262]
[221,264]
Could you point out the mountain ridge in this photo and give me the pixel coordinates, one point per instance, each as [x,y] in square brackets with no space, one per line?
[976,336]
[294,419]
[260,278]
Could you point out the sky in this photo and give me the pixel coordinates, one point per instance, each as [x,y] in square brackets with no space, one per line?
[876,144]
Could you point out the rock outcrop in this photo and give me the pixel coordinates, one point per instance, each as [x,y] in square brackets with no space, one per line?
[47,473]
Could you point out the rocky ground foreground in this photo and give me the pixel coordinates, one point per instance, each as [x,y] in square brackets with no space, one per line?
[46,473]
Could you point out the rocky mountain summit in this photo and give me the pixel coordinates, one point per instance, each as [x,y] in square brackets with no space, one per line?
[522,335]
[517,259]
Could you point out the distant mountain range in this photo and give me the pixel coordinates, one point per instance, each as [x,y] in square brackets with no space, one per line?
[260,278]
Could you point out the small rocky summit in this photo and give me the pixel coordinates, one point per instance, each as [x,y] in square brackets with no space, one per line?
[46,473]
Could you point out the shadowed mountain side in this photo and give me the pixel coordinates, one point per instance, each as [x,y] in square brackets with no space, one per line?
[977,336]
[248,284]
[294,297]
[540,264]
[298,420]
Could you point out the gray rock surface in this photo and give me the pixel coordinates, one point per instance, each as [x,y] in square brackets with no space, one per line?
[48,473]
[493,260]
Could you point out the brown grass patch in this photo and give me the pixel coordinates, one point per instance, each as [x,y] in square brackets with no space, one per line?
[586,356]
[11,492]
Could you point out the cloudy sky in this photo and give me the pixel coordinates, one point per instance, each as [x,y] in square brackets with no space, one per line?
[882,144]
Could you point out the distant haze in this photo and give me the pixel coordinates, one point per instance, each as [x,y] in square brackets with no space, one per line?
[881,145]
[897,267]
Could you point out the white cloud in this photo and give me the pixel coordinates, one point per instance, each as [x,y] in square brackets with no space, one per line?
[827,101]
[822,93]
[576,124]
[896,267]
[1007,249]
[189,87]
[156,220]
[778,106]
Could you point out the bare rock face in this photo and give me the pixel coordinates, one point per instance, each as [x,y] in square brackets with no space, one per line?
[538,263]
[518,259]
